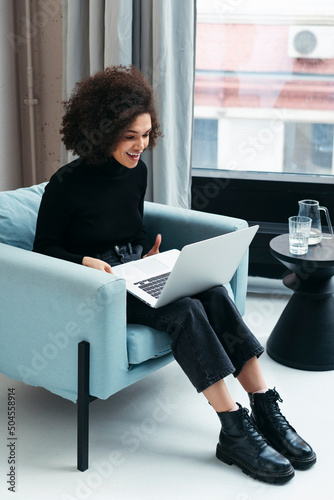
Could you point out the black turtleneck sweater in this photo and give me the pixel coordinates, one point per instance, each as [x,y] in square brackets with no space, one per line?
[87,209]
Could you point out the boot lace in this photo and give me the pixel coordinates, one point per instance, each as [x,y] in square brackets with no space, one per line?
[274,411]
[258,439]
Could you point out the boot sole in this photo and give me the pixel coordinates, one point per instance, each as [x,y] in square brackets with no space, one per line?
[228,459]
[302,464]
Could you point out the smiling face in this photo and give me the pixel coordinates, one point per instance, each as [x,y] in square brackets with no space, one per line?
[134,142]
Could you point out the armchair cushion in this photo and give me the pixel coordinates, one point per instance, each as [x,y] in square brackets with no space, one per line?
[18,215]
[145,343]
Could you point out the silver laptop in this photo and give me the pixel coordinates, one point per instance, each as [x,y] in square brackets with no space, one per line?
[171,275]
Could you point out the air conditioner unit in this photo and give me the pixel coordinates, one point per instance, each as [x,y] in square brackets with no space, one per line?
[311,42]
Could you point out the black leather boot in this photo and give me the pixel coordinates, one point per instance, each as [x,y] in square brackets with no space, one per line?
[241,444]
[279,433]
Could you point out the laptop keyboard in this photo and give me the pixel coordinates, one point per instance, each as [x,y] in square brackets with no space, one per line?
[154,285]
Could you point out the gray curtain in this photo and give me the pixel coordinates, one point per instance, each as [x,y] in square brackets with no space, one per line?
[158,36]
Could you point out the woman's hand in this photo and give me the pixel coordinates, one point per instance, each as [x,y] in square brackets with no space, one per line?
[155,249]
[97,264]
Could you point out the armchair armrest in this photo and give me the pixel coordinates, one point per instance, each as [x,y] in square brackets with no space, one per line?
[180,227]
[48,306]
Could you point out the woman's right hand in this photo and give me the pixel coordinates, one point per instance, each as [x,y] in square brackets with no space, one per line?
[97,264]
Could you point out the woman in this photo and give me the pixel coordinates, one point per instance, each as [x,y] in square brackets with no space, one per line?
[92,214]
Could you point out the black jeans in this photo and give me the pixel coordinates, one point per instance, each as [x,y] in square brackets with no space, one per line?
[209,338]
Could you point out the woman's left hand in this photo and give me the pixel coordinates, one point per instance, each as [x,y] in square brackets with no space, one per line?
[155,249]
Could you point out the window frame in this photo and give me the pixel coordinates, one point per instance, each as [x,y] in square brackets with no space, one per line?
[262,12]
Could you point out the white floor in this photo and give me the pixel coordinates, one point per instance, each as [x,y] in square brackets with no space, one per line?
[157,439]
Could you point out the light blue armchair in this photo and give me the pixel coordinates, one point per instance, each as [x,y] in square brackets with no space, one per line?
[49,307]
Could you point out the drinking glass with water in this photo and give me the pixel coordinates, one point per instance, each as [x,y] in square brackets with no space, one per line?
[299,232]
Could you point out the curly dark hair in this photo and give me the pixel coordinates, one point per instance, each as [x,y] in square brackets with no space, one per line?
[102,107]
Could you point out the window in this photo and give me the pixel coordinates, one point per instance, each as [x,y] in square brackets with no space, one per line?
[205,149]
[264,89]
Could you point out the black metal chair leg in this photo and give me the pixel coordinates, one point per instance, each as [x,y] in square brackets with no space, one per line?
[83,406]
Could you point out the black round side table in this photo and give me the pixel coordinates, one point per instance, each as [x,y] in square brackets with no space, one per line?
[303,337]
